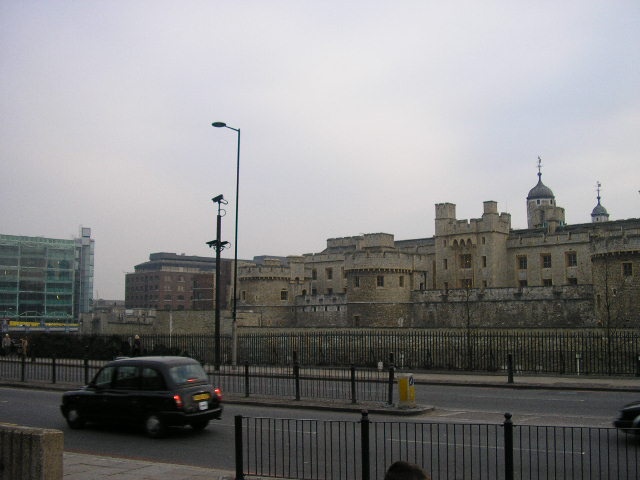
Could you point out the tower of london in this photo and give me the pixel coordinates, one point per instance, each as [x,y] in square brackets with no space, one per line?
[471,272]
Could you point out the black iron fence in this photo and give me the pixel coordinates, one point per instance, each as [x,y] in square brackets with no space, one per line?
[325,449]
[286,382]
[354,384]
[583,351]
[566,351]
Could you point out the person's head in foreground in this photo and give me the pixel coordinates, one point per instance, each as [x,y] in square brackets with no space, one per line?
[405,471]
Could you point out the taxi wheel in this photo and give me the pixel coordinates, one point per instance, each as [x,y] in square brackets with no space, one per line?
[74,420]
[200,425]
[154,426]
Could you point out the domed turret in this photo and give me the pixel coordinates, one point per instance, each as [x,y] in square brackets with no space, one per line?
[540,191]
[599,213]
[542,211]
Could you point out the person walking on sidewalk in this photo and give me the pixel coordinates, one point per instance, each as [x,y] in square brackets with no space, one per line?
[6,344]
[24,346]
[137,346]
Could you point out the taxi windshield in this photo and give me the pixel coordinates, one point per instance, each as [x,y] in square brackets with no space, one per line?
[190,373]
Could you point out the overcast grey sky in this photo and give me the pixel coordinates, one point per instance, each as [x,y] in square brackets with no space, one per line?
[356,117]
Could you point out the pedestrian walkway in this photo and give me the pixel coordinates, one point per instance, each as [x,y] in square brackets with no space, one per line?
[79,466]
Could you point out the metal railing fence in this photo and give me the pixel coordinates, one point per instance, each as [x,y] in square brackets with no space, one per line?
[328,449]
[287,382]
[600,351]
[295,382]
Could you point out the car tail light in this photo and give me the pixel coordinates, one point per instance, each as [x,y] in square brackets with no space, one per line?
[218,392]
[178,399]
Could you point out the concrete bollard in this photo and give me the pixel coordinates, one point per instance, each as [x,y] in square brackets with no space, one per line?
[28,453]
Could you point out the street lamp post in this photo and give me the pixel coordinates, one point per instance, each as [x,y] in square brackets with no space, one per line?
[234,326]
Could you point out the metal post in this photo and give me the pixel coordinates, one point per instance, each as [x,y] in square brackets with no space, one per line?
[234,327]
[219,245]
[508,447]
[23,367]
[238,444]
[296,374]
[353,384]
[53,368]
[86,369]
[364,445]
[510,368]
[217,299]
[391,379]
[234,324]
[246,379]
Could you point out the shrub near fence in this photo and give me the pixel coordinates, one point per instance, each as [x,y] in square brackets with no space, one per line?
[584,351]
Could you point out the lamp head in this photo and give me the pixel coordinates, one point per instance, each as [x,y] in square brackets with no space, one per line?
[219,124]
[217,199]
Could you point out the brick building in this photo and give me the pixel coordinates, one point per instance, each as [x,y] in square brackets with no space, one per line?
[176,282]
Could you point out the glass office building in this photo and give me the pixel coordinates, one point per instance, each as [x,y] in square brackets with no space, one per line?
[45,282]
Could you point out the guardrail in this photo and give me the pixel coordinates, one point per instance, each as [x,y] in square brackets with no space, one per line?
[325,449]
[294,382]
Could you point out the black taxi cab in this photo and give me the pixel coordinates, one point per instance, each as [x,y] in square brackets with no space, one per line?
[155,392]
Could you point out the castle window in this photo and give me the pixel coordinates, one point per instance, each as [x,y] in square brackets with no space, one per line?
[484,240]
[465,260]
[380,281]
[329,273]
[284,295]
[572,259]
[572,281]
[627,269]
[546,260]
[356,281]
[445,264]
[484,261]
[401,281]
[243,295]
[314,274]
[466,283]
[546,282]
[522,262]
[329,291]
[314,291]
[523,283]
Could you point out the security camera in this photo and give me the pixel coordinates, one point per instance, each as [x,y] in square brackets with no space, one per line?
[217,199]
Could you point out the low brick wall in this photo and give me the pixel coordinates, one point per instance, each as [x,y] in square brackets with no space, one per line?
[28,453]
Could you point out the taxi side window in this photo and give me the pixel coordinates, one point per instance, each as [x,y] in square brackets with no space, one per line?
[104,377]
[127,378]
[152,379]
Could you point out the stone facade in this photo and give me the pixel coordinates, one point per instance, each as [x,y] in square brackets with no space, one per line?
[477,272]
